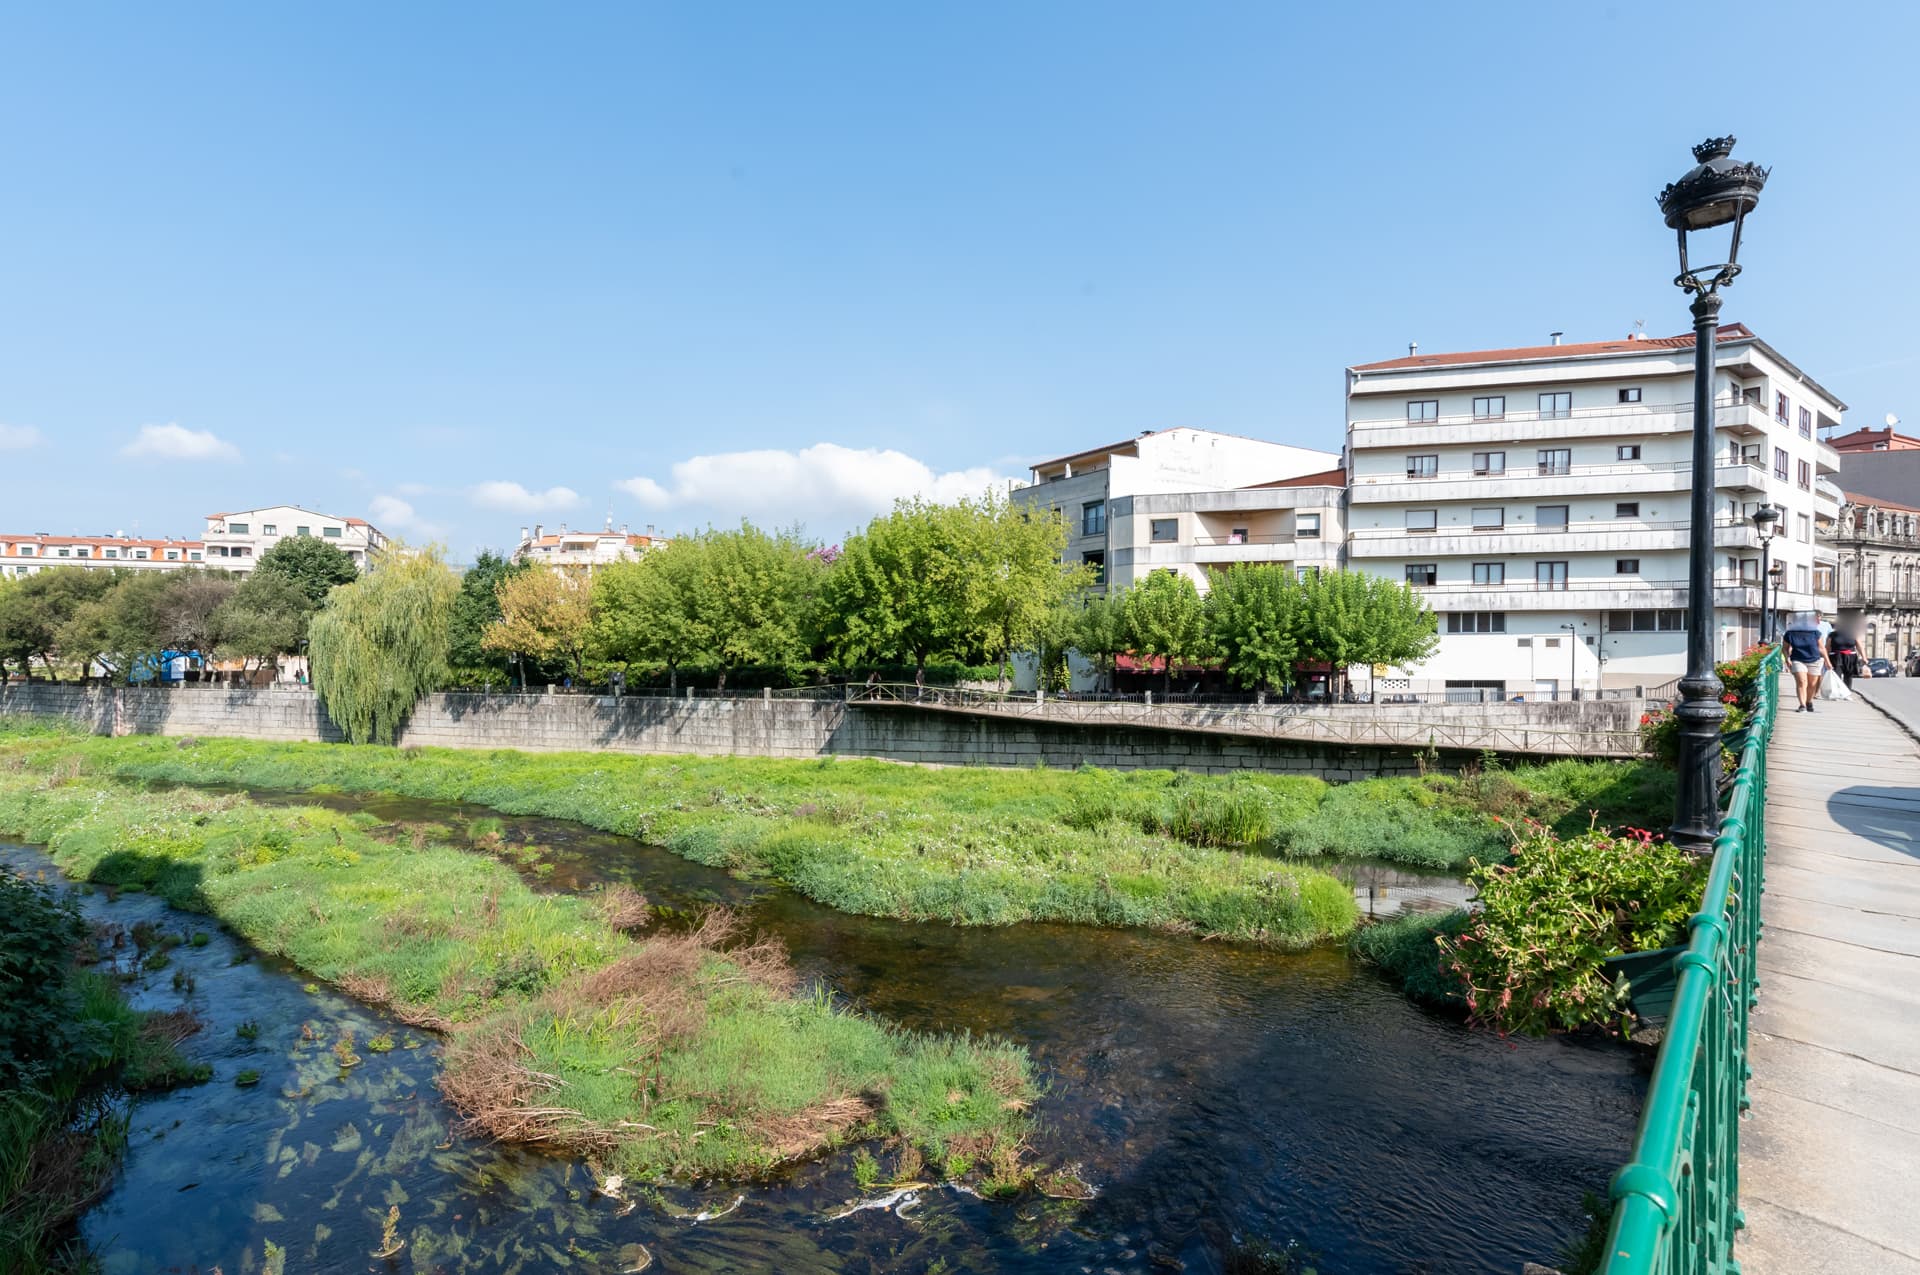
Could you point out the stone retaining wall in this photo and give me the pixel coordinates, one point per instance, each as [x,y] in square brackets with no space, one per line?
[751,727]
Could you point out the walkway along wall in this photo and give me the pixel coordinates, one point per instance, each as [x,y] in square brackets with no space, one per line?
[748,727]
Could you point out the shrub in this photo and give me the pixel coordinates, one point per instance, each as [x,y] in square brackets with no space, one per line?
[1531,960]
[39,1021]
[1407,949]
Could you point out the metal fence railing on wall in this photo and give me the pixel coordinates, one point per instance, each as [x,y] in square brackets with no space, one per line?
[1676,1205]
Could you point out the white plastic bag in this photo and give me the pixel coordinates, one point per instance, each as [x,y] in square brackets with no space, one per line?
[1833,686]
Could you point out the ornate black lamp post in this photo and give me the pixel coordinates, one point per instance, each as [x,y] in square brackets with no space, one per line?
[1715,192]
[1765,519]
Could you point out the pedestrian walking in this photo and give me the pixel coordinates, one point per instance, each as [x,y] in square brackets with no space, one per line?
[1845,654]
[1806,656]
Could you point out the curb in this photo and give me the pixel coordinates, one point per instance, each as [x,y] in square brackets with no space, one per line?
[1912,732]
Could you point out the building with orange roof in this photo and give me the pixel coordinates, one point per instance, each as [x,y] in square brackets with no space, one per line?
[583,551]
[25,554]
[235,541]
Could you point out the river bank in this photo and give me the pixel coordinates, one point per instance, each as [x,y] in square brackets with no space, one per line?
[679,1053]
[1184,853]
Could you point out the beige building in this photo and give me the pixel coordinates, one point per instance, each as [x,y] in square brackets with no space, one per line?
[22,555]
[1189,499]
[1876,544]
[235,541]
[583,551]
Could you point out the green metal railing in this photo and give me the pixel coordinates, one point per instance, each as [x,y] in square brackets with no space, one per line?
[1676,1205]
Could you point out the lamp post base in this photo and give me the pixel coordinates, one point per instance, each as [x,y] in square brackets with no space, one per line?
[1697,807]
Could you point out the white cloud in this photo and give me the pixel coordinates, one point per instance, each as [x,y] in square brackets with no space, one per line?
[397,517]
[517,499]
[17,438]
[828,487]
[177,442]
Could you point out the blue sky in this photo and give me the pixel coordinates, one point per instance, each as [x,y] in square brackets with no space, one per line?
[461,268]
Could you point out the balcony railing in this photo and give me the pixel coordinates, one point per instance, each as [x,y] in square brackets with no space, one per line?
[1879,597]
[1613,526]
[1602,584]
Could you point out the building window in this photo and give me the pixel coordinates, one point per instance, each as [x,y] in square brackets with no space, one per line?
[1163,530]
[85,552]
[173,555]
[1780,408]
[1630,396]
[1556,460]
[194,554]
[1489,519]
[1806,423]
[1780,463]
[1804,475]
[1749,571]
[1093,519]
[1422,519]
[1306,526]
[66,553]
[1550,517]
[1554,406]
[1097,559]
[1550,576]
[1800,577]
[1627,451]
[1823,578]
[1423,466]
[269,529]
[1491,408]
[1423,409]
[1485,463]
[1626,566]
[1626,509]
[1476,621]
[303,531]
[1490,573]
[1805,524]
[113,553]
[1421,575]
[333,533]
[236,528]
[1646,621]
[26,551]
[1238,536]
[141,555]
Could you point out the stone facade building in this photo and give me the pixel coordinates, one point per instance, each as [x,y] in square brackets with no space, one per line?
[1876,546]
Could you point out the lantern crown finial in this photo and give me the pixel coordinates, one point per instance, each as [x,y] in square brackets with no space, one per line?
[1714,148]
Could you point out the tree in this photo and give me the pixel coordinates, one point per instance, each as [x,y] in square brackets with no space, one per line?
[756,598]
[1350,617]
[1255,614]
[33,612]
[1166,619]
[190,609]
[1010,568]
[311,563]
[266,618]
[380,643]
[647,610]
[545,614]
[124,630]
[475,607]
[896,592]
[1100,633]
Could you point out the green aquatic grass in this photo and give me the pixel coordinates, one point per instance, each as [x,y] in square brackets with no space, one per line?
[1406,949]
[720,1068]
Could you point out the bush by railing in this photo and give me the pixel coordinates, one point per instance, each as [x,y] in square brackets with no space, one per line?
[1677,1202]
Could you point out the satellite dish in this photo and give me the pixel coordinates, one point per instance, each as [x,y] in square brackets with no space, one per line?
[1892,420]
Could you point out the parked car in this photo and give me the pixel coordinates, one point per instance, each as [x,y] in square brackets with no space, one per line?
[1882,668]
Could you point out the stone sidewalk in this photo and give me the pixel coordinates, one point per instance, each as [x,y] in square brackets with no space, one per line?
[1830,1159]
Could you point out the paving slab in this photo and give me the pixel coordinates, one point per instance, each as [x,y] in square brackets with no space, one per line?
[1830,1157]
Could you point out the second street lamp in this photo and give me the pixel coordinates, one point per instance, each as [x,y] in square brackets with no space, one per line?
[1717,191]
[1765,519]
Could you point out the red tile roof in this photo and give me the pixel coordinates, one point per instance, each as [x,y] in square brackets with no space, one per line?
[1855,498]
[1637,345]
[1863,440]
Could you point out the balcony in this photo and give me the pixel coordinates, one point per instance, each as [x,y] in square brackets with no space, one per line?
[1522,481]
[1595,535]
[1584,595]
[1622,420]
[1205,550]
[1877,596]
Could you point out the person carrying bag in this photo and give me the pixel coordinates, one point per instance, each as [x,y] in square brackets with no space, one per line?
[1806,656]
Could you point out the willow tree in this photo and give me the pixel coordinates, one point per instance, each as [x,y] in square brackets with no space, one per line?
[380,643]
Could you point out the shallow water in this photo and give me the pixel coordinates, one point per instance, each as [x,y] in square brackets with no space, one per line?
[1212,1092]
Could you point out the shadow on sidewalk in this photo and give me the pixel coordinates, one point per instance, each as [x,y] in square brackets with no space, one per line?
[1886,816]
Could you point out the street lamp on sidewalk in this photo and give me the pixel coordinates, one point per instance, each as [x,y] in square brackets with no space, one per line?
[1765,519]
[1717,191]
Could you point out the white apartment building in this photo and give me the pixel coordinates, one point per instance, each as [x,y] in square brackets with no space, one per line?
[1186,499]
[22,555]
[235,541]
[1539,498]
[583,550]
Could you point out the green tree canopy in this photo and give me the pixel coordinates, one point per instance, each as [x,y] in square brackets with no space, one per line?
[1254,616]
[1012,578]
[266,618]
[380,643]
[757,597]
[311,563]
[1166,619]
[124,630]
[648,611]
[1100,632]
[545,614]
[475,607]
[34,611]
[1352,617]
[191,609]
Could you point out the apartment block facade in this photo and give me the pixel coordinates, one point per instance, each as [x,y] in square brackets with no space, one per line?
[1539,498]
[23,555]
[1188,500]
[235,541]
[583,551]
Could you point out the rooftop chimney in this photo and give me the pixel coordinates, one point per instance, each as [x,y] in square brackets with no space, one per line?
[1413,348]
[523,534]
[537,529]
[1555,336]
[623,528]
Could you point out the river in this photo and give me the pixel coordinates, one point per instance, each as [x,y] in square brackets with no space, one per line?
[1225,1101]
